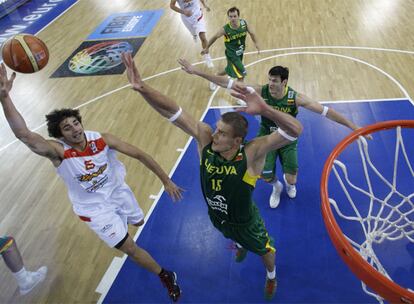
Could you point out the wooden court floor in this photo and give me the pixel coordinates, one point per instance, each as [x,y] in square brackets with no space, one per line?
[336,50]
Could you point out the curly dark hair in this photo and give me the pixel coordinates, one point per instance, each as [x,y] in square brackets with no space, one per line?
[54,118]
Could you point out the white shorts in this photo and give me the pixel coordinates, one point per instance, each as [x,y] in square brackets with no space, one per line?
[121,209]
[195,23]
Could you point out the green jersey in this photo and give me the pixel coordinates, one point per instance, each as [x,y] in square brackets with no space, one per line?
[227,186]
[286,104]
[235,39]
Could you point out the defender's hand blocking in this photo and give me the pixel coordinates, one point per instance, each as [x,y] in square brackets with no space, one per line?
[175,192]
[6,84]
[254,102]
[186,66]
[132,72]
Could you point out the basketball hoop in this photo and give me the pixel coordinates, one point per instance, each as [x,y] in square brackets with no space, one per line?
[381,219]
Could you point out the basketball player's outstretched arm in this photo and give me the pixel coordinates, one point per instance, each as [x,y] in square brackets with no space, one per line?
[117,144]
[166,106]
[289,128]
[330,113]
[222,81]
[34,141]
[254,38]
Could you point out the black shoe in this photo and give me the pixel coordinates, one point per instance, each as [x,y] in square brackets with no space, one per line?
[169,280]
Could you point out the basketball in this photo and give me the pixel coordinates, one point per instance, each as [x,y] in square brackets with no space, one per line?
[25,53]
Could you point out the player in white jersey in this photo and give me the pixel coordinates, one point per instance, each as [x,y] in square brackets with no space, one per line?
[94,177]
[193,19]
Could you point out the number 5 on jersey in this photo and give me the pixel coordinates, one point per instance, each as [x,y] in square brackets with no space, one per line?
[89,164]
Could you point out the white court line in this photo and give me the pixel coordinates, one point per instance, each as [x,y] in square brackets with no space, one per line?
[340,56]
[115,266]
[57,17]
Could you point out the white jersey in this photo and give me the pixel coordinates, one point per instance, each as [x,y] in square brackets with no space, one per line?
[91,175]
[195,23]
[191,5]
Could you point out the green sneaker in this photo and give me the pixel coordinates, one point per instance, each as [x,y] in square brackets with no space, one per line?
[240,254]
[270,288]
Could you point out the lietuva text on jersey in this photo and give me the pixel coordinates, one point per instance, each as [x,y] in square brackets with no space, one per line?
[227,186]
[235,36]
[226,170]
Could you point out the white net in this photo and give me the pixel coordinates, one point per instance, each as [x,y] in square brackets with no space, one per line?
[386,215]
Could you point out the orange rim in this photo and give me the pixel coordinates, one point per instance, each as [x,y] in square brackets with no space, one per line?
[362,269]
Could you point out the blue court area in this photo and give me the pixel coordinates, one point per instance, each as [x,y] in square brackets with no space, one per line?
[181,237]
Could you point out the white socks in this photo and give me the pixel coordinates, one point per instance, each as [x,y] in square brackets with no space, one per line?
[27,280]
[208,61]
[21,276]
[271,275]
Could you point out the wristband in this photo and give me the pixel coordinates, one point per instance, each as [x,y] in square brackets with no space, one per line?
[176,115]
[285,135]
[230,84]
[324,111]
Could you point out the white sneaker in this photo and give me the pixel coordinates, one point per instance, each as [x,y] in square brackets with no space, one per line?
[290,189]
[33,278]
[208,61]
[275,196]
[212,86]
[195,38]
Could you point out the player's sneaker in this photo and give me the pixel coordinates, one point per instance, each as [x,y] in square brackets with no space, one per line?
[212,86]
[270,288]
[169,280]
[33,279]
[241,254]
[275,196]
[290,189]
[208,61]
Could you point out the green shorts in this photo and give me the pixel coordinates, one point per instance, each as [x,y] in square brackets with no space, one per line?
[235,67]
[253,236]
[288,158]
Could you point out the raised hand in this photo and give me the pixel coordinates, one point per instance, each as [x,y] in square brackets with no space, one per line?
[6,83]
[175,192]
[204,51]
[132,72]
[254,102]
[186,66]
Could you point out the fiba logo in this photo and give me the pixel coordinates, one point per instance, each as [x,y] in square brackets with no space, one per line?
[99,57]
